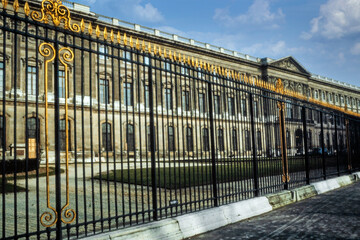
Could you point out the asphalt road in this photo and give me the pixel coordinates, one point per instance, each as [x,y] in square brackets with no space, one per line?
[333,215]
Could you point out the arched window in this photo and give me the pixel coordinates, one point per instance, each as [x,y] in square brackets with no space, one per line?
[130,137]
[234,140]
[171,138]
[62,130]
[288,139]
[1,131]
[221,139]
[106,136]
[205,135]
[189,140]
[33,128]
[247,140]
[148,136]
[298,139]
[259,142]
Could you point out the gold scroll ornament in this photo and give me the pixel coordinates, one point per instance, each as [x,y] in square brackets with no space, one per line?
[66,55]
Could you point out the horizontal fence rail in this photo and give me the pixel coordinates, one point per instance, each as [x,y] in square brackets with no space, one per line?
[97,136]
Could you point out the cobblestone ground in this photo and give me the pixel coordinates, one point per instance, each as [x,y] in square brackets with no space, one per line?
[334,215]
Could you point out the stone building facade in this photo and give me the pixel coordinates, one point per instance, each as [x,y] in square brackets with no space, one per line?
[109,94]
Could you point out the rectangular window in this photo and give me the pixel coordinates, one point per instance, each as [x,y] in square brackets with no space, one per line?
[184,70]
[126,55]
[171,138]
[128,94]
[146,61]
[202,102]
[147,96]
[186,100]
[199,73]
[61,84]
[31,84]
[168,98]
[104,91]
[217,104]
[243,107]
[167,66]
[231,106]
[103,50]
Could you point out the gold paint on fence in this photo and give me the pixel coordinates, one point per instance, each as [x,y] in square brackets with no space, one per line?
[65,56]
[47,219]
[57,12]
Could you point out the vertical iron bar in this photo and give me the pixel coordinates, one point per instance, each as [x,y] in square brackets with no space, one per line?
[57,144]
[337,147]
[152,145]
[307,165]
[4,133]
[284,147]
[323,145]
[213,157]
[255,162]
[348,142]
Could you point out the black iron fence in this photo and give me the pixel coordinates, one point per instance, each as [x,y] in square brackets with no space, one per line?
[101,134]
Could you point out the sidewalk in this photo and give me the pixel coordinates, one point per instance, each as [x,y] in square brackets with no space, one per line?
[333,215]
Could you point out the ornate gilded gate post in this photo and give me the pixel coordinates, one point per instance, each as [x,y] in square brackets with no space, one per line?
[67,216]
[284,159]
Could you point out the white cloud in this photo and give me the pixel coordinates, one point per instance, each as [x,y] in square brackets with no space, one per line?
[337,19]
[258,13]
[148,12]
[355,50]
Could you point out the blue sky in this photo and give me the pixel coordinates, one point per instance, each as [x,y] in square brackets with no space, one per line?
[323,35]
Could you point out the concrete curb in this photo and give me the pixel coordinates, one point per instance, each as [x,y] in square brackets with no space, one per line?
[192,224]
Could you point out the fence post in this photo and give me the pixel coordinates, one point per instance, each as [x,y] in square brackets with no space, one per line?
[285,168]
[57,145]
[337,147]
[323,145]
[348,144]
[213,156]
[307,165]
[255,165]
[152,145]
